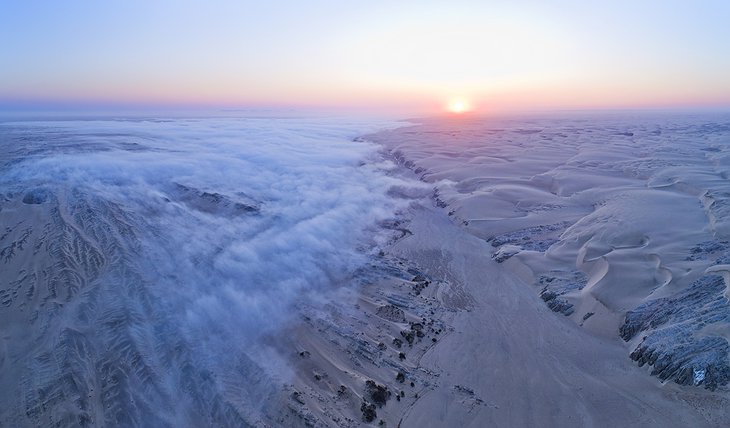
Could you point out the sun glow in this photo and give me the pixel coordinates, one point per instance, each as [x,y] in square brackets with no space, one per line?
[458,106]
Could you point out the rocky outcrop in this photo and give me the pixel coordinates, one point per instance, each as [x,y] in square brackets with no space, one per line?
[558,283]
[378,394]
[708,250]
[213,202]
[557,304]
[391,313]
[676,342]
[37,196]
[537,238]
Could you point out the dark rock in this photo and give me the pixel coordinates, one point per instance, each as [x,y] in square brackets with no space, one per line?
[673,344]
[213,202]
[464,390]
[379,394]
[503,254]
[409,336]
[557,304]
[400,377]
[417,328]
[558,283]
[391,313]
[419,283]
[562,306]
[562,282]
[36,197]
[536,238]
[719,251]
[711,149]
[541,245]
[368,411]
[704,249]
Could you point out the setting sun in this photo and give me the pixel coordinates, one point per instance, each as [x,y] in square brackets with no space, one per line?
[458,106]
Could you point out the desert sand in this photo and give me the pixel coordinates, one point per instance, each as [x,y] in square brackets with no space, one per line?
[515,272]
[502,358]
[561,254]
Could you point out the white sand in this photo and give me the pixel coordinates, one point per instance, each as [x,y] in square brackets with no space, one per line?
[529,366]
[637,193]
[506,361]
[622,203]
[629,199]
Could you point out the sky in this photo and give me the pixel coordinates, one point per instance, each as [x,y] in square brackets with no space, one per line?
[409,56]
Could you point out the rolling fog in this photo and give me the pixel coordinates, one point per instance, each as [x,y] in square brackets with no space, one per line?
[150,256]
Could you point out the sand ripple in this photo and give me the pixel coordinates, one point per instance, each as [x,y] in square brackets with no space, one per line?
[636,195]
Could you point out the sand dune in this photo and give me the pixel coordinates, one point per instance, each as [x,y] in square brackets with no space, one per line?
[513,273]
[635,205]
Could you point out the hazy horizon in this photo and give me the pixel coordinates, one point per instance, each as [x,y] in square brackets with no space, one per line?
[409,58]
[343,214]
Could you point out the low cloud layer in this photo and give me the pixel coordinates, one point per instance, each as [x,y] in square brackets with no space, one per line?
[223,223]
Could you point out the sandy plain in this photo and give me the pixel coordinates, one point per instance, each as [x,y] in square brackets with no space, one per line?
[575,271]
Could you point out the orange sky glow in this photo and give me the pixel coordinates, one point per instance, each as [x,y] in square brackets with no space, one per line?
[406,57]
